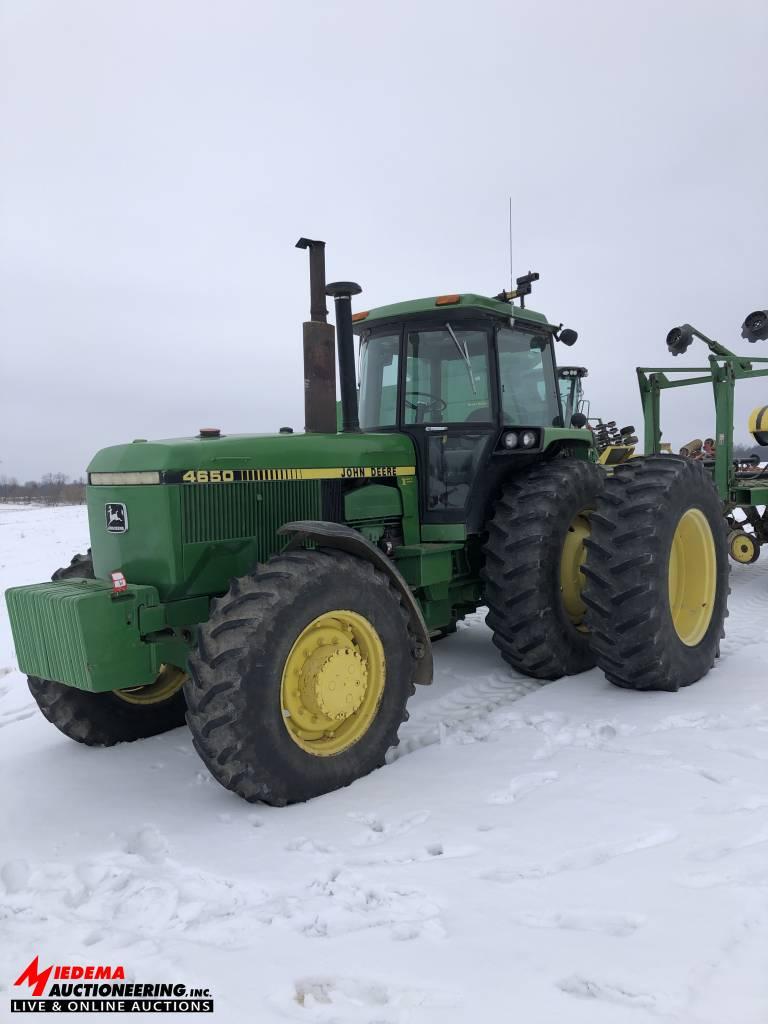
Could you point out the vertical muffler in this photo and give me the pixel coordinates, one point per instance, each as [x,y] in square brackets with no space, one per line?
[319,349]
[342,292]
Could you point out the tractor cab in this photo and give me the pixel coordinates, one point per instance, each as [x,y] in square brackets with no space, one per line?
[572,400]
[470,379]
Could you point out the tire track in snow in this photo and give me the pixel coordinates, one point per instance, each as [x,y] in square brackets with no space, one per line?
[464,714]
[578,860]
[351,1000]
[588,988]
[16,715]
[521,786]
[615,924]
[749,607]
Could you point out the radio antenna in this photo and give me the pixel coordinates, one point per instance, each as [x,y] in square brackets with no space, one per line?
[511,272]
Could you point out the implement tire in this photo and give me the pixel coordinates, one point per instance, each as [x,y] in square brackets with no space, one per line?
[532,559]
[657,574]
[301,677]
[121,716]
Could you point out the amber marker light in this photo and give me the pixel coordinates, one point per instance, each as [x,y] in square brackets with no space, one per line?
[447,300]
[360,316]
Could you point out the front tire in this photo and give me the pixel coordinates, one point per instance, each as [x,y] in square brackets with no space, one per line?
[301,677]
[532,560]
[120,716]
[657,574]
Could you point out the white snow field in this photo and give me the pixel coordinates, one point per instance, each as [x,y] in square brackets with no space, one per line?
[564,853]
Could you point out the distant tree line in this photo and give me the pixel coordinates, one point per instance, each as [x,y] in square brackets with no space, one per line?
[58,489]
[52,489]
[743,451]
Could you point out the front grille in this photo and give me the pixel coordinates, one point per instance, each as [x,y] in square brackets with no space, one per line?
[220,512]
[333,501]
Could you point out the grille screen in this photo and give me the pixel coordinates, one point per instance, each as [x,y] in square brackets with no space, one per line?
[216,512]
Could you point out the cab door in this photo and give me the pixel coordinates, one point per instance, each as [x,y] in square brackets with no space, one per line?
[449,409]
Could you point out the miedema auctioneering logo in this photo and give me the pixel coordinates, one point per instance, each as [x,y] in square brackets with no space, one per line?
[102,988]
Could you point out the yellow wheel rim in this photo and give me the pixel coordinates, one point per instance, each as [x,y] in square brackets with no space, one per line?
[571,576]
[169,681]
[333,681]
[742,548]
[692,577]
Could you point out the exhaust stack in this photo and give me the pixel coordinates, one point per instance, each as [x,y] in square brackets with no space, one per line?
[342,292]
[319,348]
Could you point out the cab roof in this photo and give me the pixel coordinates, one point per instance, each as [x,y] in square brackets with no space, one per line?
[465,304]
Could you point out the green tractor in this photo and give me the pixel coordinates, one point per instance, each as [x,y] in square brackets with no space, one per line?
[572,398]
[741,483]
[613,444]
[280,593]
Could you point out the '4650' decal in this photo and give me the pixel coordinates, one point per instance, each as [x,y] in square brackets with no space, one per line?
[209,476]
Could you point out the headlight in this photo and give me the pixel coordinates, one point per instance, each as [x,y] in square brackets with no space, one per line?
[528,439]
[117,479]
[511,439]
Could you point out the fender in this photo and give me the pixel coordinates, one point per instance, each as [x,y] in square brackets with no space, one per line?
[344,538]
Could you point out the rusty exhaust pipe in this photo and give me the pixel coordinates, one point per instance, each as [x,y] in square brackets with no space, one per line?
[319,348]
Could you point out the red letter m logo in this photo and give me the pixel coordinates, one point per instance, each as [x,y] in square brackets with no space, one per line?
[34,978]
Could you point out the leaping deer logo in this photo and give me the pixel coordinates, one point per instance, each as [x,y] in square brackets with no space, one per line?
[117,518]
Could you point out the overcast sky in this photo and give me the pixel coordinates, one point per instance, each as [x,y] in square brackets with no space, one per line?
[158,161]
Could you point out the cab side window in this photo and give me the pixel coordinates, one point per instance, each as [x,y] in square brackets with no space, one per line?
[527,376]
[379,359]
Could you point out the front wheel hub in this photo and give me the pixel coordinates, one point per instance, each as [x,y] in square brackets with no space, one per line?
[333,681]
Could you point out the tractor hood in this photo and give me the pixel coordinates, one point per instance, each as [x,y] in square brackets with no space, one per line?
[253,452]
[218,502]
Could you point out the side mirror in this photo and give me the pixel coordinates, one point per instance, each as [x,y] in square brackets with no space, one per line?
[579,420]
[568,336]
[679,338]
[755,326]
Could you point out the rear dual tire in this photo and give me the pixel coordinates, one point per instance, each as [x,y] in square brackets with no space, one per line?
[654,562]
[532,560]
[657,574]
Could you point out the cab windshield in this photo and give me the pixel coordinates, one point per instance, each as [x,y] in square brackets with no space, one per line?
[569,396]
[448,377]
[567,387]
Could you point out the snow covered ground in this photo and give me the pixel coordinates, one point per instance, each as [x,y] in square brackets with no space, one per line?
[563,853]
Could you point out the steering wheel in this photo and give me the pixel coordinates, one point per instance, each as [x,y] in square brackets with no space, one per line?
[434,406]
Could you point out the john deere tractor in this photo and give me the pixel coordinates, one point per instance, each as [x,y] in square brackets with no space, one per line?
[614,444]
[281,592]
[570,382]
